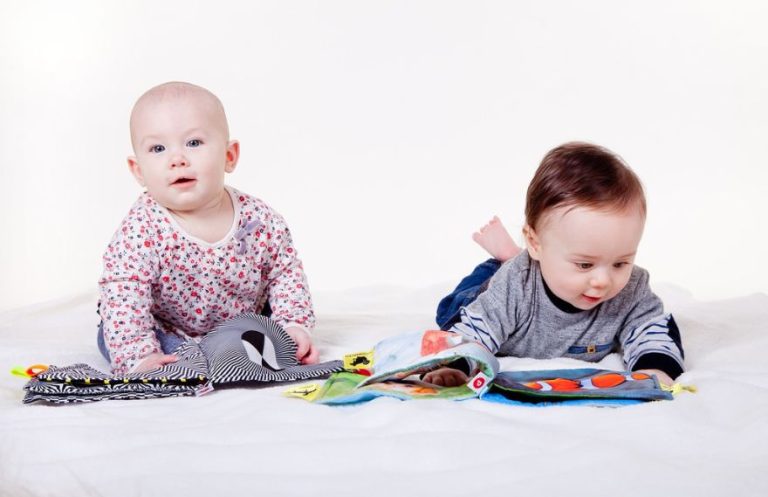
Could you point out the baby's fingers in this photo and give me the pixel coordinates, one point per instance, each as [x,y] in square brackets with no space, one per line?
[311,357]
[160,360]
[154,361]
[302,349]
[167,359]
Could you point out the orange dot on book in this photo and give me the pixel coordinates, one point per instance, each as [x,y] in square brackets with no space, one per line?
[608,380]
[561,384]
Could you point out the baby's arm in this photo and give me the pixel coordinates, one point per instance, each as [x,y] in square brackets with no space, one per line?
[654,346]
[125,295]
[288,291]
[489,318]
[650,338]
[660,375]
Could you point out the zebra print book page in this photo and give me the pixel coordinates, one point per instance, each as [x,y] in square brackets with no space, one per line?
[248,350]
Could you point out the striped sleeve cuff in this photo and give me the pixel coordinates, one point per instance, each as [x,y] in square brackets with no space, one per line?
[655,344]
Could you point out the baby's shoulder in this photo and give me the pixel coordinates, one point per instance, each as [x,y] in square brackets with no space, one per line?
[144,210]
[514,278]
[639,279]
[254,208]
[141,225]
[520,268]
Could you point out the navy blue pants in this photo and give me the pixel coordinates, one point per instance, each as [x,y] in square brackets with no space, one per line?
[465,293]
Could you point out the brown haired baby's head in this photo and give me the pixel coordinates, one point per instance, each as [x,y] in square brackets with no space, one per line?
[578,174]
[585,214]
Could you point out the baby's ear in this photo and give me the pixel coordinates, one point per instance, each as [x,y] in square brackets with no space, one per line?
[531,242]
[133,166]
[233,154]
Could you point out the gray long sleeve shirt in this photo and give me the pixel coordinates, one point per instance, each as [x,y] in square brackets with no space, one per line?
[515,316]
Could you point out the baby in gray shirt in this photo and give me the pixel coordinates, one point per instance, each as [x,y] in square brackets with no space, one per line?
[575,291]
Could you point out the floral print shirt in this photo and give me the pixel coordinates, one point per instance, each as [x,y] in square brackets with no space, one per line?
[158,277]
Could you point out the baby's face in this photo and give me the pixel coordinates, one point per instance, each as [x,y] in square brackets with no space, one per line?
[586,255]
[182,150]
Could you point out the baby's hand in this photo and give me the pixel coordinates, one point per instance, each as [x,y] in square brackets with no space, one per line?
[446,377]
[306,353]
[663,377]
[154,361]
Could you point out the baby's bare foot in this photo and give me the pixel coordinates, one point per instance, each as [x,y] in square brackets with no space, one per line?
[496,240]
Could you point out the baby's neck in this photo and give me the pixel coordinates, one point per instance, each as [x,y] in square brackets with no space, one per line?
[210,223]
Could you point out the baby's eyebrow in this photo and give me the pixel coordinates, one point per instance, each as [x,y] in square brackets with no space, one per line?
[583,257]
[627,256]
[149,138]
[592,257]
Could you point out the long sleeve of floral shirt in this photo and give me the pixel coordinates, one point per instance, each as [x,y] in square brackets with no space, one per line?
[158,277]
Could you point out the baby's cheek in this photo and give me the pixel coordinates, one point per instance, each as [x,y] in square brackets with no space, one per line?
[621,284]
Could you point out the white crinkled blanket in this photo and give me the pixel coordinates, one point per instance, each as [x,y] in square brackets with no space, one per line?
[250,441]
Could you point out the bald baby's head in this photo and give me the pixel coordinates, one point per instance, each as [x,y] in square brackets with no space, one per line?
[177,92]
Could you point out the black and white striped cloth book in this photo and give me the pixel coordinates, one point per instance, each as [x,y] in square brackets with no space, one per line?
[247,350]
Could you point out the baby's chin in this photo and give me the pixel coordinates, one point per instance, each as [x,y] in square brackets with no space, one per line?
[584,303]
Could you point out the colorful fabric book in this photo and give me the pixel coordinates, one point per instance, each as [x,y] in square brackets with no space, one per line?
[393,366]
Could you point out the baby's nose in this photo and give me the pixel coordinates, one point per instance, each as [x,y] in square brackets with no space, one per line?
[599,280]
[179,161]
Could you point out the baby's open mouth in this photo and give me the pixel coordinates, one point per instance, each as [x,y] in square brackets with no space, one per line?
[182,181]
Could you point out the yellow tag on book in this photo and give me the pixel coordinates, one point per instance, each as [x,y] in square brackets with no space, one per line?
[358,360]
[307,391]
[676,388]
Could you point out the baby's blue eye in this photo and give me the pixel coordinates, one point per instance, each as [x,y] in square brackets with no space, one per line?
[194,143]
[584,265]
[619,265]
[156,149]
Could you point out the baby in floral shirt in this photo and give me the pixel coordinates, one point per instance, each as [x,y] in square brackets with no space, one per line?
[192,251]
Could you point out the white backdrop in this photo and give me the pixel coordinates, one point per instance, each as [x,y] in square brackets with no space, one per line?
[386,132]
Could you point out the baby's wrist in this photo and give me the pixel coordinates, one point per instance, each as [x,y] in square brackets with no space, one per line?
[298,327]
